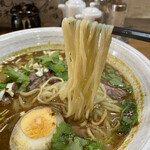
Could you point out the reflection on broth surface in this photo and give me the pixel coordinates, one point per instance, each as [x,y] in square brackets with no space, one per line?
[36,78]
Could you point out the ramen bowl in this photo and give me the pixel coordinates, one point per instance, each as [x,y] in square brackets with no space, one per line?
[127,59]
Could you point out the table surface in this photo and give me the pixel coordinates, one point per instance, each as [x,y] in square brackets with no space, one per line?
[143,47]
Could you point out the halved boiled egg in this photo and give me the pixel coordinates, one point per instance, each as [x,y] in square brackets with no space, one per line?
[35,129]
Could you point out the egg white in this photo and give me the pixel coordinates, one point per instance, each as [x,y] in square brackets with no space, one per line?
[19,141]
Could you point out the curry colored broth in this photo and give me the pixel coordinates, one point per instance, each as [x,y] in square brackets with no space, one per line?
[24,59]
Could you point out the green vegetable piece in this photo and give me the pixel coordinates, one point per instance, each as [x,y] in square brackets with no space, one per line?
[2,118]
[57,67]
[82,141]
[112,75]
[63,128]
[24,85]
[10,72]
[18,77]
[129,116]
[59,146]
[109,70]
[75,145]
[26,69]
[55,57]
[64,139]
[2,86]
[111,138]
[124,128]
[55,64]
[63,75]
[107,77]
[44,59]
[115,80]
[128,88]
[94,146]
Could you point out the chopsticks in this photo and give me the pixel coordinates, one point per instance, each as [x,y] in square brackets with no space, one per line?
[131,33]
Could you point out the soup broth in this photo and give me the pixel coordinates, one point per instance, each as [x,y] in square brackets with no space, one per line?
[109,125]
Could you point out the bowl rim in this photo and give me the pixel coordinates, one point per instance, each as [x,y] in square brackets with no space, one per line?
[7,36]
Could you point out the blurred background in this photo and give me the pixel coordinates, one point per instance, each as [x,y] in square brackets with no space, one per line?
[50,15]
[23,14]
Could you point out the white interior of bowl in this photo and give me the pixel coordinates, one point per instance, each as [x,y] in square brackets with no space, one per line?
[138,63]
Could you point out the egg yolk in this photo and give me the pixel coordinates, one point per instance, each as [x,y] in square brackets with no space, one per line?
[38,123]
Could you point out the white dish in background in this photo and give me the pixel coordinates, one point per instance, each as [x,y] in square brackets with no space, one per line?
[138,63]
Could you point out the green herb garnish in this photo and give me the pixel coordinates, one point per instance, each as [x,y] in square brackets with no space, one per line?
[2,86]
[13,76]
[26,69]
[55,64]
[129,116]
[109,75]
[111,138]
[64,139]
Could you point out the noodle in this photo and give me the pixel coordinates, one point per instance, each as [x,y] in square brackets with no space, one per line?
[50,92]
[90,133]
[101,120]
[85,63]
[26,94]
[98,129]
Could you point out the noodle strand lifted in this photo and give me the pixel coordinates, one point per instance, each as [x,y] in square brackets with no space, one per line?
[86,53]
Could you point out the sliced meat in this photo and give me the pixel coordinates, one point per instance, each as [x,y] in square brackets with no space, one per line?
[35,83]
[47,75]
[80,131]
[5,101]
[33,76]
[54,81]
[115,93]
[14,87]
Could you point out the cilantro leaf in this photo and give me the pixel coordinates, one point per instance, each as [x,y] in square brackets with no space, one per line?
[63,75]
[62,129]
[10,72]
[55,64]
[75,145]
[18,77]
[129,116]
[57,67]
[94,146]
[123,128]
[128,88]
[111,138]
[55,57]
[44,59]
[24,85]
[26,69]
[82,141]
[110,70]
[109,75]
[2,85]
[64,139]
